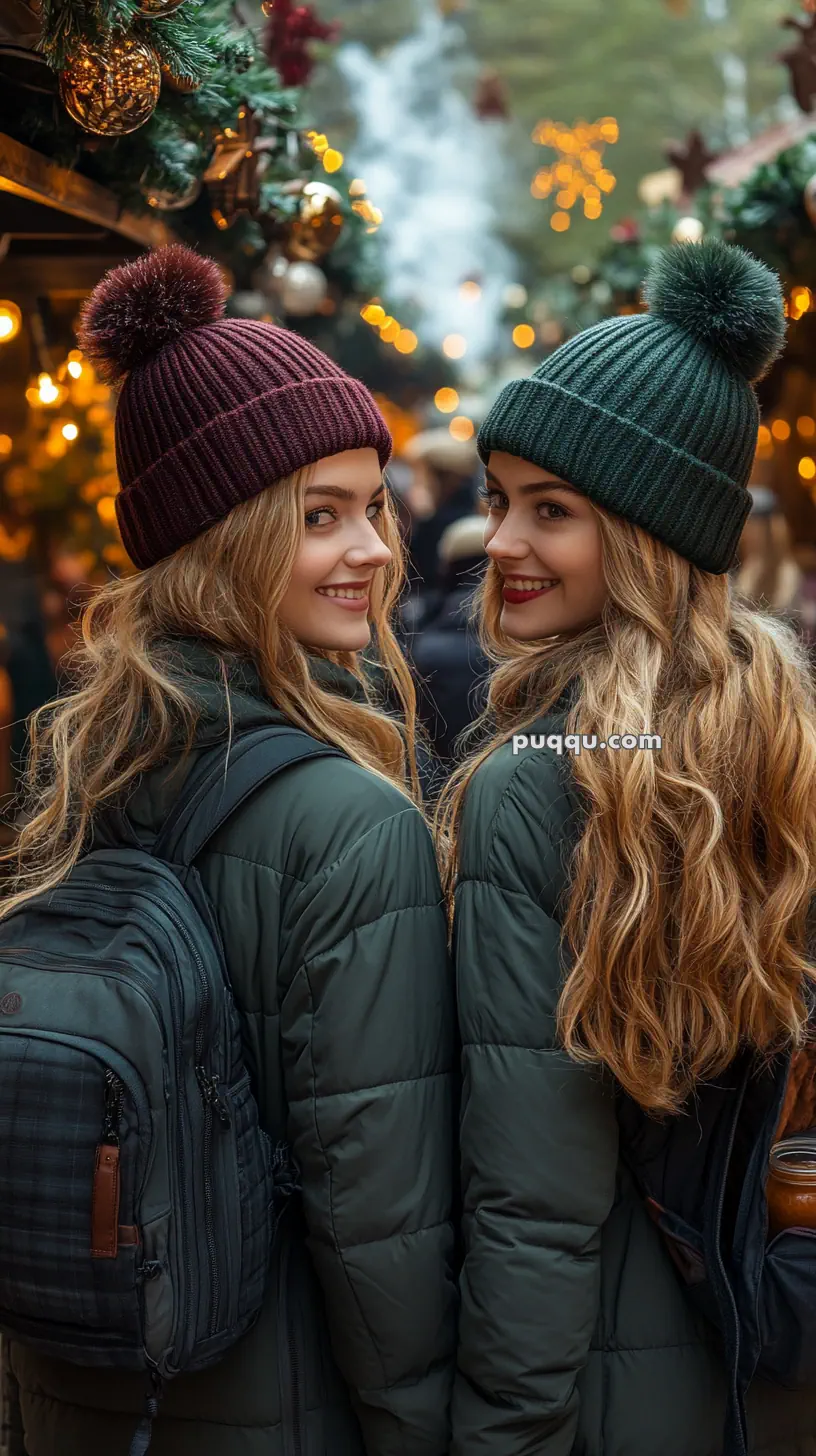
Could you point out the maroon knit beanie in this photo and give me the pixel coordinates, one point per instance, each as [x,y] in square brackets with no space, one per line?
[212,410]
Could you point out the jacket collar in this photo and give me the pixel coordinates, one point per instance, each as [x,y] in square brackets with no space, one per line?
[208,676]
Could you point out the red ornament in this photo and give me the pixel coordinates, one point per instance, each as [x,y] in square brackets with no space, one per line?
[625,231]
[287,36]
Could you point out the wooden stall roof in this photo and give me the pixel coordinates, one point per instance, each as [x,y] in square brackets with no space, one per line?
[26,175]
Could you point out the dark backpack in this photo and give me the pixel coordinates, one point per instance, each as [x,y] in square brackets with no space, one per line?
[703,1176]
[138,1194]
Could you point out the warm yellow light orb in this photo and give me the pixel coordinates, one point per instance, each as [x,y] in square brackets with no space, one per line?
[780,429]
[70,431]
[446,401]
[559,222]
[374,314]
[47,390]
[523,336]
[10,321]
[332,160]
[6,443]
[106,509]
[806,427]
[74,368]
[406,341]
[807,467]
[462,428]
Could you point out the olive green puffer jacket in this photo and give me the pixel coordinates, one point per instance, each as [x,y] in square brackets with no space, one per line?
[576,1336]
[328,899]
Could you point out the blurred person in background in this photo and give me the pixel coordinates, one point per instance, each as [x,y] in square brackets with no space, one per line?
[443,489]
[446,651]
[769,576]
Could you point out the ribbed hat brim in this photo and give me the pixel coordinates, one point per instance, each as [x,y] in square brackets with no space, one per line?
[680,499]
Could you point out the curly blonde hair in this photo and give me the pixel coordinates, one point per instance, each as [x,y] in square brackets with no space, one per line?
[130,709]
[692,880]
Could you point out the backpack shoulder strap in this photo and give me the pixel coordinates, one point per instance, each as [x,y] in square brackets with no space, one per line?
[222,781]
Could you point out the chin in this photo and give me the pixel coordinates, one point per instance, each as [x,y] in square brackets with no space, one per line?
[354,639]
[523,625]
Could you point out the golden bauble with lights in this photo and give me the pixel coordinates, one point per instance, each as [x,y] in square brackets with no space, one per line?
[318,223]
[111,88]
[158,9]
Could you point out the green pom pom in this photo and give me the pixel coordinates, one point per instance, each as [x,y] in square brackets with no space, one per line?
[727,299]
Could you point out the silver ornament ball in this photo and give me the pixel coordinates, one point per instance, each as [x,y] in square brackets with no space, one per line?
[303,289]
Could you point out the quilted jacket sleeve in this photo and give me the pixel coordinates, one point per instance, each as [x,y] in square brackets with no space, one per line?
[538,1131]
[368,1033]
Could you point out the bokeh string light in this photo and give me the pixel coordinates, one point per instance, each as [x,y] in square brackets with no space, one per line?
[578,172]
[10,320]
[333,160]
[446,400]
[391,331]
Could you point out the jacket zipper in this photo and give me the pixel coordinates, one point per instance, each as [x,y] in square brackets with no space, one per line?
[211,1100]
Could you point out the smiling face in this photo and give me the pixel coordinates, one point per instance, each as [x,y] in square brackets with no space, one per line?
[545,539]
[326,603]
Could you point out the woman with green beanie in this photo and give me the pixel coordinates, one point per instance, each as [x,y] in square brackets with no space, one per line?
[633,969]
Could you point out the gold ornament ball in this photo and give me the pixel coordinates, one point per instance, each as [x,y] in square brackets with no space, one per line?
[318,224]
[158,9]
[111,89]
[809,199]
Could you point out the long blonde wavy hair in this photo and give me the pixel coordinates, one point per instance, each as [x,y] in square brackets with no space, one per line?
[690,886]
[130,709]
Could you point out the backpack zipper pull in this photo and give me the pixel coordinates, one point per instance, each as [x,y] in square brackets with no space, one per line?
[105,1195]
[212,1098]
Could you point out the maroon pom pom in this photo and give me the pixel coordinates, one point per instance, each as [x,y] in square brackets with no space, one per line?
[139,308]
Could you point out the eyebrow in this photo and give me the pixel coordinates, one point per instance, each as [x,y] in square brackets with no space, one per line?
[535,486]
[339,492]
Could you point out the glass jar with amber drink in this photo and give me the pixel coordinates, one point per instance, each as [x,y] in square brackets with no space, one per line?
[791,1187]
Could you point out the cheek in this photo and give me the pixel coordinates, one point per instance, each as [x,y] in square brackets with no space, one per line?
[313,563]
[582,557]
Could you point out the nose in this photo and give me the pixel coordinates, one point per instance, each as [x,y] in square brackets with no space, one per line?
[506,543]
[368,548]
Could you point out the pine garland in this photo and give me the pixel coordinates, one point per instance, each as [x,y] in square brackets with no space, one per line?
[200,44]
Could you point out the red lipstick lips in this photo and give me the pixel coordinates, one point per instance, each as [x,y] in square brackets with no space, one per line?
[516,597]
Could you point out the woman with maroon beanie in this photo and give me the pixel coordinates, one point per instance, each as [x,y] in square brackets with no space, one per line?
[252,501]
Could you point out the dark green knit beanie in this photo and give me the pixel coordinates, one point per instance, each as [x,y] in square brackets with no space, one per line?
[653,416]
